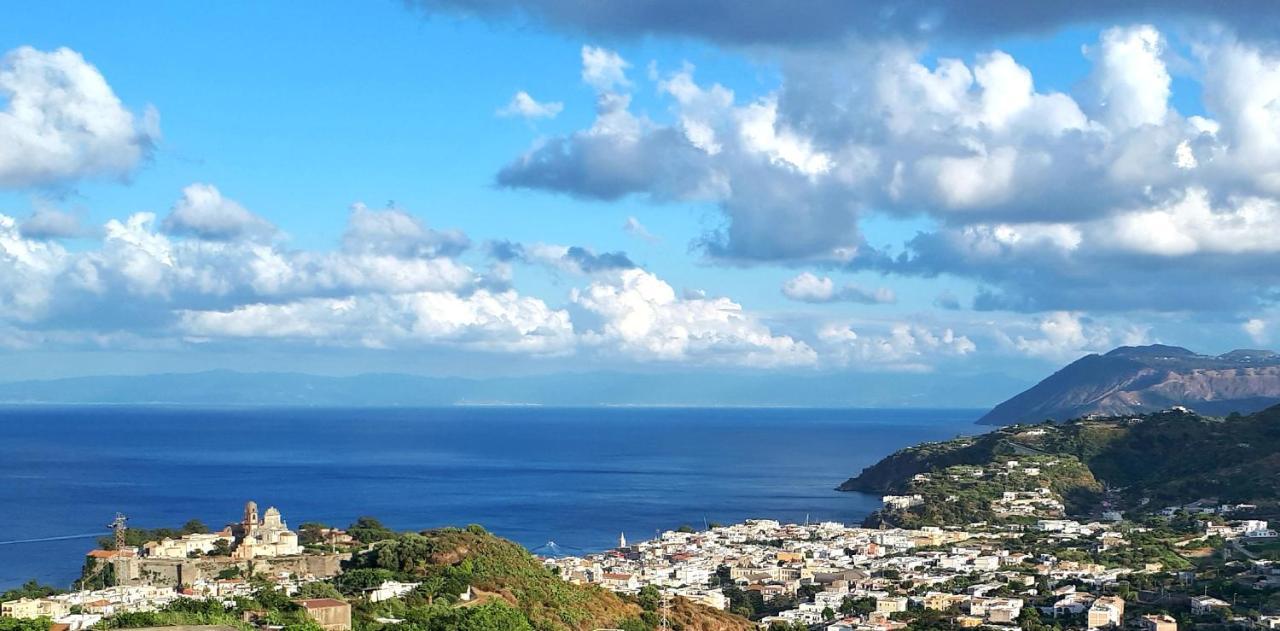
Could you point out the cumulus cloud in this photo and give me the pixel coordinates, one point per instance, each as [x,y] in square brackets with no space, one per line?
[392,284]
[395,232]
[1064,336]
[807,287]
[1051,201]
[61,122]
[603,69]
[635,314]
[482,320]
[204,213]
[51,223]
[526,106]
[903,347]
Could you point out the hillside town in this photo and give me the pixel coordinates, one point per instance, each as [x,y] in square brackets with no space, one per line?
[1047,573]
[1184,567]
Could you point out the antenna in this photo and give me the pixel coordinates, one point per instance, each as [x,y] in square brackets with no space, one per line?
[665,624]
[118,525]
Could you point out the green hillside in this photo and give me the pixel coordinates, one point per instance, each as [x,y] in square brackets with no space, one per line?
[1148,461]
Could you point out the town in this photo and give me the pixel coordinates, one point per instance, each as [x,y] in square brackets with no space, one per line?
[1183,567]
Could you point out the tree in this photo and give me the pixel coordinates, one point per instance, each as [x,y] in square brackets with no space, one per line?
[319,589]
[29,589]
[828,613]
[857,606]
[194,527]
[685,528]
[25,624]
[369,529]
[431,587]
[650,598]
[221,548]
[311,532]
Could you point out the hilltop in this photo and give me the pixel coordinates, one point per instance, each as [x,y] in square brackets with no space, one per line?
[1148,460]
[1144,379]
[502,572]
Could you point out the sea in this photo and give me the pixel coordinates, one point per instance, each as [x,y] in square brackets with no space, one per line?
[575,477]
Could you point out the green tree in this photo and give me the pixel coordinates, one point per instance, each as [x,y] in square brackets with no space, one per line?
[24,624]
[369,529]
[29,589]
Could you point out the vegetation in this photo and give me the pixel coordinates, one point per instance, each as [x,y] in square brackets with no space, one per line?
[137,536]
[1150,461]
[29,589]
[510,588]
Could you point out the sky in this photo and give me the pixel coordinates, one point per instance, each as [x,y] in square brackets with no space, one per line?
[485,187]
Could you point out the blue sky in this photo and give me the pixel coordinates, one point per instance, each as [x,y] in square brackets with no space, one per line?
[1102,203]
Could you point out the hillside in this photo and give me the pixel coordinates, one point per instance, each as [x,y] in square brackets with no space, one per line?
[501,571]
[1149,461]
[1143,379]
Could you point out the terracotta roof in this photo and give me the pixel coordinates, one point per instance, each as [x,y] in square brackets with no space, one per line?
[110,554]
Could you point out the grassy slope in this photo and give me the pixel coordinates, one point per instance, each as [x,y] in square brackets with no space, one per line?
[506,569]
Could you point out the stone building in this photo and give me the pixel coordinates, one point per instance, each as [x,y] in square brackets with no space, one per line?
[266,537]
[331,614]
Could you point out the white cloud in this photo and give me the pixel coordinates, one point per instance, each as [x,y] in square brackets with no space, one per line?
[807,287]
[1256,328]
[639,316]
[62,122]
[1065,336]
[633,227]
[204,213]
[604,70]
[1132,81]
[1046,198]
[395,232]
[51,223]
[903,347]
[485,321]
[526,106]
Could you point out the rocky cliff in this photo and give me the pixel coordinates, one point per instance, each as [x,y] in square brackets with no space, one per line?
[1142,379]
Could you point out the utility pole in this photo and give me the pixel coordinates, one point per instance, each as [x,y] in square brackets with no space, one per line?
[665,624]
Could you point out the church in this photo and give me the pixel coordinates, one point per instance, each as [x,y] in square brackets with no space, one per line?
[265,537]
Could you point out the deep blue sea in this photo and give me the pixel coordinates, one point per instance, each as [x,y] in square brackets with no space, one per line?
[576,476]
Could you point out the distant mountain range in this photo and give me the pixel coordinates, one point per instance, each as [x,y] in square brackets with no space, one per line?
[218,388]
[1142,379]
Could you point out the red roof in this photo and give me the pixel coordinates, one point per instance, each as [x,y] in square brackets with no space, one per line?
[110,554]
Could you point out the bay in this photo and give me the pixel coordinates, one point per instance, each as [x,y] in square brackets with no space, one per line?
[576,476]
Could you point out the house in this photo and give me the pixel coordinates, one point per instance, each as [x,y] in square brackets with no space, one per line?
[1158,622]
[388,590]
[619,582]
[891,605]
[330,613]
[1106,611]
[1201,605]
[34,608]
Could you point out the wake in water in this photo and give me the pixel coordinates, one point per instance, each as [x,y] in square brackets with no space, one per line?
[62,538]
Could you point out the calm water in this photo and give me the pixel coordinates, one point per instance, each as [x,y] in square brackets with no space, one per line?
[575,476]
